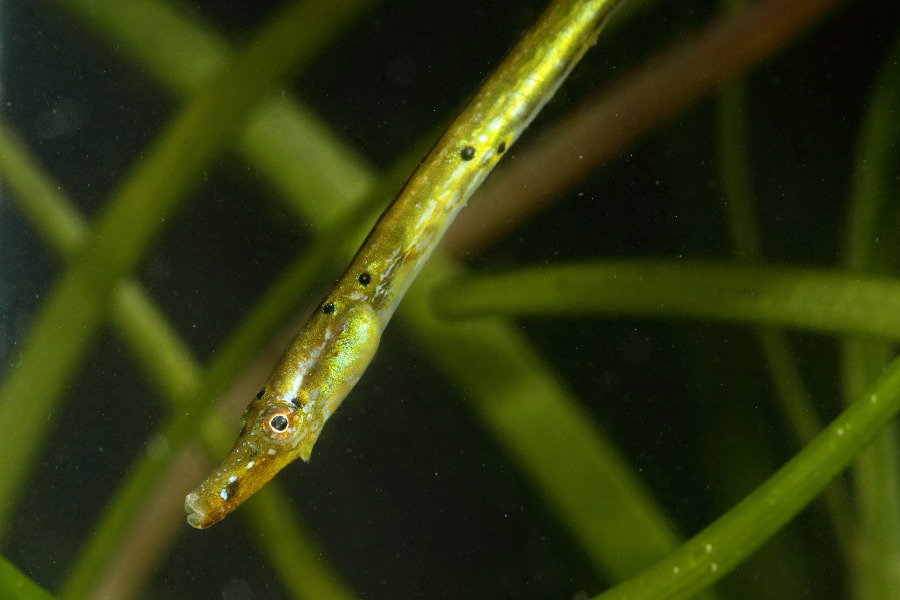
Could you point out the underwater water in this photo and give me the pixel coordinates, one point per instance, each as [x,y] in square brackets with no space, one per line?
[426,482]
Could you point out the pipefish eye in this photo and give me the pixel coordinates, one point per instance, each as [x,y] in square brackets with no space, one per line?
[280,423]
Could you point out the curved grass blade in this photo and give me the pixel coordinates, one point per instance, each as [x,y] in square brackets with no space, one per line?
[567,457]
[15,585]
[68,320]
[818,300]
[736,180]
[877,472]
[168,361]
[182,51]
[174,369]
[716,550]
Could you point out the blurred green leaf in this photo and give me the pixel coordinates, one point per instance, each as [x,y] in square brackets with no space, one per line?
[14,585]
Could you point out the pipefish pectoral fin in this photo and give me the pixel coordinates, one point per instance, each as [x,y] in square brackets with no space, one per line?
[282,424]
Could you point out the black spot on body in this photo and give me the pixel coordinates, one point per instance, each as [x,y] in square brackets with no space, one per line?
[364,278]
[328,308]
[501,148]
[296,402]
[260,394]
[467,153]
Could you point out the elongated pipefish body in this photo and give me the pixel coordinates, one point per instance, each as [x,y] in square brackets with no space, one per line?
[333,349]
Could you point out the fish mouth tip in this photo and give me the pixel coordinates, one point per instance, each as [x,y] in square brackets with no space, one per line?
[196,521]
[195,516]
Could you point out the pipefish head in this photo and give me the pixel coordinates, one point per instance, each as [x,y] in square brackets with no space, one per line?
[314,375]
[274,433]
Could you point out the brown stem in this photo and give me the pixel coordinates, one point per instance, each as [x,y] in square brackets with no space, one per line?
[606,122]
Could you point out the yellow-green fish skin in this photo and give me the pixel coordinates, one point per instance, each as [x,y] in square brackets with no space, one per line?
[329,355]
